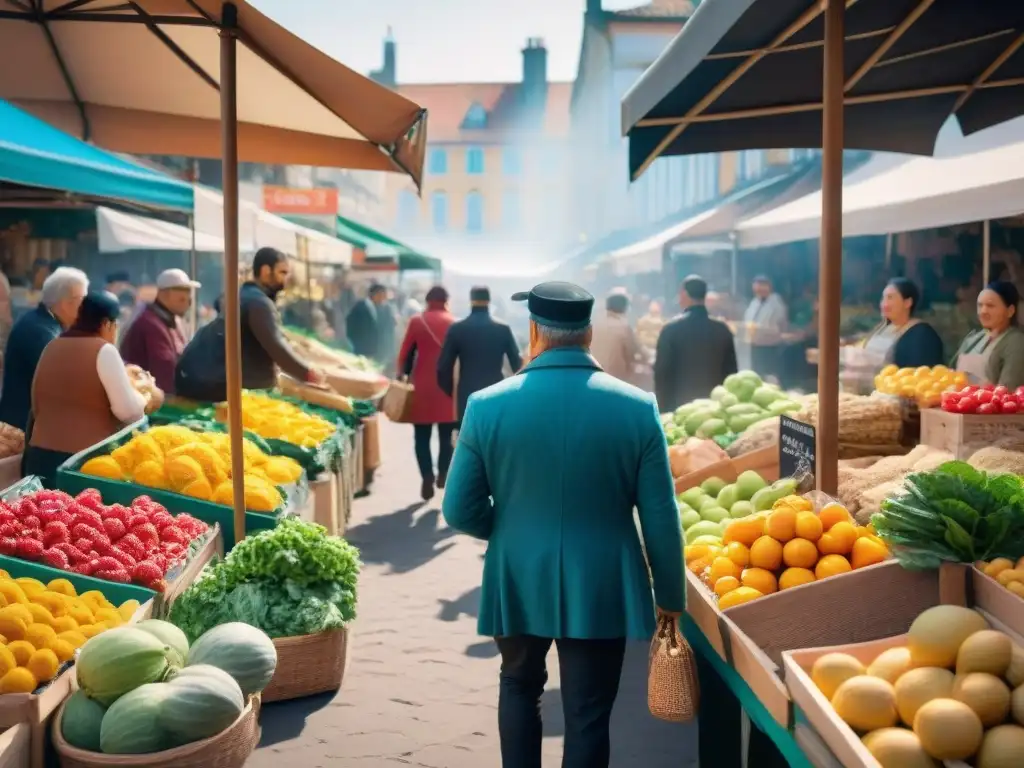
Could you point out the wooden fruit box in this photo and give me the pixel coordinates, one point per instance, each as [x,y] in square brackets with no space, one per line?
[15,747]
[764,461]
[838,610]
[963,433]
[831,743]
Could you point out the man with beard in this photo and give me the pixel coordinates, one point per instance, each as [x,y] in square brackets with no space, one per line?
[264,348]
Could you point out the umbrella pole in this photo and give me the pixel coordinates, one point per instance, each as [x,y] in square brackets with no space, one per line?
[193,263]
[232,320]
[986,251]
[831,251]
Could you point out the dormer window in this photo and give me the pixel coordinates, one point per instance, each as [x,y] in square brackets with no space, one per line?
[476,118]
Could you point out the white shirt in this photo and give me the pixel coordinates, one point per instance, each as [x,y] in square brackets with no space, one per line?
[125,401]
[766,320]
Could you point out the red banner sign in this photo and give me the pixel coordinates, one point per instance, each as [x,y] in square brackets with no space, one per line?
[321,201]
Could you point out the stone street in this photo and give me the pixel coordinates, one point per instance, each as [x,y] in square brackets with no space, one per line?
[421,687]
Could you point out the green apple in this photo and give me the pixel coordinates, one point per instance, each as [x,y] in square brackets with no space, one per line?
[741,509]
[689,516]
[692,497]
[712,486]
[747,484]
[728,496]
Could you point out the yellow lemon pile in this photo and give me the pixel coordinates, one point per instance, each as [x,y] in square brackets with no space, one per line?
[196,464]
[924,384]
[280,420]
[42,625]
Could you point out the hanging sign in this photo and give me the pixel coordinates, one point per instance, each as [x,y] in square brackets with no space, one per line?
[320,201]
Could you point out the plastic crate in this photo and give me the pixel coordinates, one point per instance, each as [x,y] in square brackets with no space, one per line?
[72,481]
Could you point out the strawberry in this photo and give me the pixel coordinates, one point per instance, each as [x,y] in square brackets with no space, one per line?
[87,500]
[84,544]
[118,574]
[147,534]
[10,529]
[119,511]
[75,554]
[90,518]
[84,531]
[8,545]
[26,508]
[108,563]
[131,544]
[32,521]
[28,549]
[81,568]
[174,534]
[136,520]
[159,560]
[162,520]
[147,573]
[59,497]
[31,533]
[65,517]
[114,527]
[56,559]
[102,545]
[124,558]
[55,532]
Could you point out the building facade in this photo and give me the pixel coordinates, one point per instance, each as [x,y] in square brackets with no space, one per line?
[617,48]
[496,170]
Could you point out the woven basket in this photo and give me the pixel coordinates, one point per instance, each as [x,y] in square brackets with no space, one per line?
[673,691]
[228,749]
[307,665]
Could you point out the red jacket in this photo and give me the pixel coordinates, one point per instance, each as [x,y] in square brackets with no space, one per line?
[154,342]
[424,336]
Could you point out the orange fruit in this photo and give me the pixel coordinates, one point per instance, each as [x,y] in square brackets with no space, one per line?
[1020,564]
[760,579]
[794,577]
[808,526]
[862,531]
[746,530]
[997,566]
[697,567]
[867,552]
[738,553]
[800,553]
[725,585]
[845,533]
[833,513]
[1016,587]
[766,553]
[723,566]
[781,524]
[831,565]
[738,596]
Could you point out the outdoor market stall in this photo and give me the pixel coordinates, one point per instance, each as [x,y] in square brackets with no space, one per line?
[737,77]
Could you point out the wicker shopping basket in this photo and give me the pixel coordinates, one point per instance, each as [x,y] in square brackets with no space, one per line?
[307,665]
[228,749]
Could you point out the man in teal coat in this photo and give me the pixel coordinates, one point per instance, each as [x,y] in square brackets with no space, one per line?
[548,469]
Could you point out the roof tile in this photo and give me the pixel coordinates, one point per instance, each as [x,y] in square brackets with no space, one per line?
[660,9]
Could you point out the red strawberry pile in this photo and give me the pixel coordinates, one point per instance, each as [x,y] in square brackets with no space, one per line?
[137,544]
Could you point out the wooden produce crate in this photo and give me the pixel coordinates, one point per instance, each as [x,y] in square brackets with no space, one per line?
[16,747]
[828,741]
[963,433]
[34,711]
[358,463]
[371,442]
[764,461]
[838,610]
[324,492]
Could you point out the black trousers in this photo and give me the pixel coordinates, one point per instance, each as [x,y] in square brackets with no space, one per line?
[766,361]
[424,459]
[589,671]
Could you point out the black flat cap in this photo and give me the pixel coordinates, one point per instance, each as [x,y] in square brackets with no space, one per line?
[480,293]
[558,305]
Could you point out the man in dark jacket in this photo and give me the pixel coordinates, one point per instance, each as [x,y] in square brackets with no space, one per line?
[363,323]
[695,353]
[479,345]
[155,340]
[62,295]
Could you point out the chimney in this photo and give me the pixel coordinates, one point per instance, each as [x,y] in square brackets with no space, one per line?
[535,76]
[387,75]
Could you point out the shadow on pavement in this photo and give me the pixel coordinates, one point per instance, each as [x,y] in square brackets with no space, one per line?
[285,720]
[485,649]
[467,604]
[401,539]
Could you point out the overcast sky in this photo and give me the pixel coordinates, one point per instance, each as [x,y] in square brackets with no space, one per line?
[441,40]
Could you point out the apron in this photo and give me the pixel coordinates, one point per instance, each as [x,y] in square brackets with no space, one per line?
[974,361]
[865,361]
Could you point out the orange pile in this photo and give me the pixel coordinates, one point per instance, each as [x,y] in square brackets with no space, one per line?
[784,548]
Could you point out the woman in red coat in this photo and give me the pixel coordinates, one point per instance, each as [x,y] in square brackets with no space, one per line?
[421,347]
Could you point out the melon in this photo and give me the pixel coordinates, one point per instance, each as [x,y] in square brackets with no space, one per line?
[948,729]
[201,701]
[1002,747]
[986,651]
[866,703]
[1017,704]
[118,661]
[832,670]
[936,635]
[897,748]
[890,664]
[131,725]
[169,635]
[241,650]
[917,687]
[81,722]
[986,694]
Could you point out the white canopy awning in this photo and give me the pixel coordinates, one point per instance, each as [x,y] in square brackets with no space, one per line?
[894,194]
[118,232]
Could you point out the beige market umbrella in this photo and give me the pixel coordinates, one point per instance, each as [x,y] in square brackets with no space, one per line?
[202,78]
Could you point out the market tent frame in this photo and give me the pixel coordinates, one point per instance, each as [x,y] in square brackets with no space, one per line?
[36,155]
[743,74]
[383,249]
[232,84]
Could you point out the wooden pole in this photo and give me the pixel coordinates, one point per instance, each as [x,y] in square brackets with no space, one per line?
[831,251]
[193,260]
[232,319]
[986,252]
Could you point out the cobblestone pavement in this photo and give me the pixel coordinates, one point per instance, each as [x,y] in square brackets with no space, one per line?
[421,686]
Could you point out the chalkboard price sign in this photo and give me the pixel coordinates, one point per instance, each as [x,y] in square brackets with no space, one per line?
[796,448]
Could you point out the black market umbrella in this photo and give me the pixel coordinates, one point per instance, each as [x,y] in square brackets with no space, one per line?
[867,74]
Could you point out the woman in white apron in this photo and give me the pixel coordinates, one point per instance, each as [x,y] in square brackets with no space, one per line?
[995,354]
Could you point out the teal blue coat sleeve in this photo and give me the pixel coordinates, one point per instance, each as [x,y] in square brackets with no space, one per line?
[467,505]
[659,518]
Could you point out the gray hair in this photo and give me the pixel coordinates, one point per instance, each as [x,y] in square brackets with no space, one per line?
[564,337]
[59,284]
